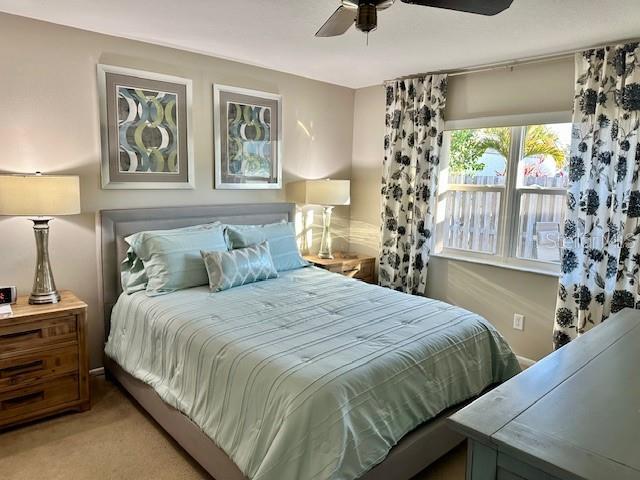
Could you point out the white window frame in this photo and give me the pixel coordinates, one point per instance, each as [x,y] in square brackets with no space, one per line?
[510,198]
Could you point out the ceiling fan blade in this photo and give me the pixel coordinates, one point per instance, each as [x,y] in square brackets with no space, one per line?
[481,7]
[338,23]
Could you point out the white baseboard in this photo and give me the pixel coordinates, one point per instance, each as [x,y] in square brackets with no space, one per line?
[96,371]
[525,362]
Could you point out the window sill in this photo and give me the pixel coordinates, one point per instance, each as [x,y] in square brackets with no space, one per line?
[499,264]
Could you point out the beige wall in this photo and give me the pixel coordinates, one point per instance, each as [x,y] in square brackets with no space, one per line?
[495,293]
[366,169]
[50,123]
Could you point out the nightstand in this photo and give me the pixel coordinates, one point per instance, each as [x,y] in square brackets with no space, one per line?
[352,265]
[44,368]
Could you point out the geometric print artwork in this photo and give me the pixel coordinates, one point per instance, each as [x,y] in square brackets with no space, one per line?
[249,140]
[147,131]
[145,125]
[227,269]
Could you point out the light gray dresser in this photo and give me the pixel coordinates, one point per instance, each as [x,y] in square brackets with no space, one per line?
[573,415]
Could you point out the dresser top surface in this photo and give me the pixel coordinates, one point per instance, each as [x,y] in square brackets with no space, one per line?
[22,308]
[577,411]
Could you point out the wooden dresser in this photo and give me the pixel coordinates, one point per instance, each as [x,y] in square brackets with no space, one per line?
[352,265]
[44,366]
[573,415]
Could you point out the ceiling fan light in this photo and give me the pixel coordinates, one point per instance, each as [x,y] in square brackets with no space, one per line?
[367,18]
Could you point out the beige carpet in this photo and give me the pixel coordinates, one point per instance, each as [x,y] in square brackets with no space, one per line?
[117,440]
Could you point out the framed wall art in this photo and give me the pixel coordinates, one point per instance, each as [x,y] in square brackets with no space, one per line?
[145,123]
[247,138]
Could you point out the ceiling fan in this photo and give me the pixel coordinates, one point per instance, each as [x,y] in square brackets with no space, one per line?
[364,13]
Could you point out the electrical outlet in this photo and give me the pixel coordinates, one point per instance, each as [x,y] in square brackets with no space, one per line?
[518,321]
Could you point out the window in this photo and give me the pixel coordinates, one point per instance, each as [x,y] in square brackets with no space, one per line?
[502,194]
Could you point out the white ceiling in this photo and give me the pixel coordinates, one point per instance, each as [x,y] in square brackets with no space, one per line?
[279,34]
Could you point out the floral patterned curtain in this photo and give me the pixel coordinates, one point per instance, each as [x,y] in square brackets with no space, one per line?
[414,125]
[601,253]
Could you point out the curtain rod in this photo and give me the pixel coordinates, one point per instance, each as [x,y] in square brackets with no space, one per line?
[514,63]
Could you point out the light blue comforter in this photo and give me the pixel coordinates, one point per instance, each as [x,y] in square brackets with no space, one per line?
[309,376]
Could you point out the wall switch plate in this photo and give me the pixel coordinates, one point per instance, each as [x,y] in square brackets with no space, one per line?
[518,321]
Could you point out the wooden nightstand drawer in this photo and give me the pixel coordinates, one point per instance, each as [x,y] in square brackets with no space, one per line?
[366,269]
[44,366]
[35,335]
[24,370]
[349,264]
[38,398]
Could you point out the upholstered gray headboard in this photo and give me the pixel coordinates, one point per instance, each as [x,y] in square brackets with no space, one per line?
[118,224]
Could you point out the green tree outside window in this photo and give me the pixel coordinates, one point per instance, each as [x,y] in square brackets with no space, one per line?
[468,146]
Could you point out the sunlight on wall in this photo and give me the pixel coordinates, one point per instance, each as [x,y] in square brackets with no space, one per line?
[306,130]
[465,286]
[308,224]
[312,160]
[364,235]
[304,230]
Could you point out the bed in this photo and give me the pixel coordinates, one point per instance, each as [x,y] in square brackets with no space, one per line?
[310,375]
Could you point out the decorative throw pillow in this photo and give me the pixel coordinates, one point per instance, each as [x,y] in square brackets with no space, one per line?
[172,258]
[281,238]
[239,267]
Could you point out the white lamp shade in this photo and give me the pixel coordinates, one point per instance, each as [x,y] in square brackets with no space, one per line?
[39,195]
[320,192]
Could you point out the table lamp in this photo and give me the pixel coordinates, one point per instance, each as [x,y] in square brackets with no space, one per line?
[39,197]
[326,193]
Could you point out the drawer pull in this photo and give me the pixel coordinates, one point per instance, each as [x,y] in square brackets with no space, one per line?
[27,335]
[351,273]
[21,369]
[23,400]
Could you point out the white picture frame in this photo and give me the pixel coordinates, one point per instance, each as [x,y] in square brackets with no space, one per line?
[143,180]
[257,98]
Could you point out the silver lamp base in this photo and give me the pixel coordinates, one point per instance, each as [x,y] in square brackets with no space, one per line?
[44,286]
[325,243]
[41,299]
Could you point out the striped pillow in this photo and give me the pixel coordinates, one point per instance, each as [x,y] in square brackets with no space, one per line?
[281,238]
[239,266]
[172,258]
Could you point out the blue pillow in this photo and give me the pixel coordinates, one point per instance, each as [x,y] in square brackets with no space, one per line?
[239,267]
[171,258]
[281,238]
